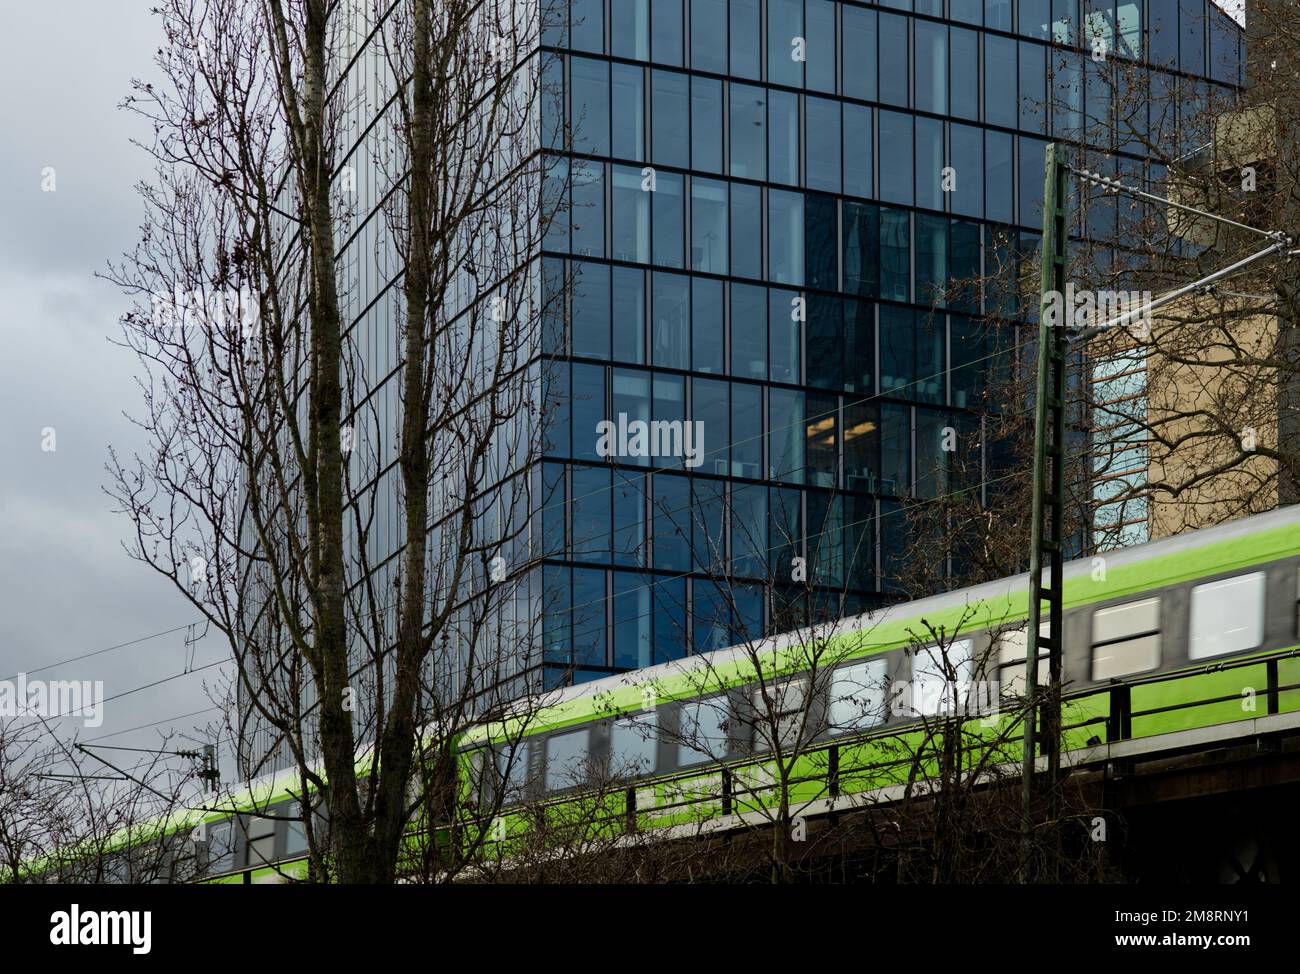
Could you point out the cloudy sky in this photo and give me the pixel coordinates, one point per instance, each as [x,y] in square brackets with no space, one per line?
[66,586]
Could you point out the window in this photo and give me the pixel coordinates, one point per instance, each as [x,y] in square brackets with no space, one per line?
[702,727]
[785,435]
[221,848]
[709,226]
[591,310]
[706,325]
[783,137]
[512,770]
[748,331]
[669,213]
[967,148]
[895,255]
[629,112]
[785,336]
[745,51]
[999,80]
[588,214]
[896,164]
[670,332]
[587,25]
[1013,648]
[260,833]
[895,445]
[709,406]
[861,446]
[672,522]
[997,176]
[861,249]
[858,696]
[784,24]
[929,164]
[780,707]
[632,745]
[1033,87]
[669,597]
[1227,616]
[631,29]
[822,124]
[1126,639]
[566,760]
[629,315]
[589,93]
[706,125]
[746,231]
[670,140]
[785,237]
[931,67]
[632,618]
[894,74]
[708,27]
[589,604]
[591,518]
[859,52]
[631,223]
[748,132]
[941,678]
[822,440]
[666,31]
[965,74]
[857,151]
[825,342]
[819,31]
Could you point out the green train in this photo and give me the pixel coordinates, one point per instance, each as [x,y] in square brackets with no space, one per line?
[1194,631]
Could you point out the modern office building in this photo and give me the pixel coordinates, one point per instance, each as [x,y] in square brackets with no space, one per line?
[775,216]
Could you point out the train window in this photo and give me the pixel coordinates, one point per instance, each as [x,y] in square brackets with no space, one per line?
[1013,647]
[703,731]
[1227,616]
[221,847]
[858,696]
[512,770]
[296,843]
[1126,639]
[632,744]
[783,711]
[941,677]
[261,840]
[566,760]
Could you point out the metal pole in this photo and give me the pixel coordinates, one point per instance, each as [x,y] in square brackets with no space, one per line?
[1048,506]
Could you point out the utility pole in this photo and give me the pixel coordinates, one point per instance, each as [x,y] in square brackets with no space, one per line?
[1047,531]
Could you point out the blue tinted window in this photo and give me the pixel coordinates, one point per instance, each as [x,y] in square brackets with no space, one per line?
[749,331]
[1033,160]
[591,310]
[670,310]
[631,397]
[588,215]
[588,617]
[706,325]
[859,53]
[554,503]
[965,74]
[591,512]
[1067,95]
[746,231]
[630,547]
[931,258]
[749,530]
[668,204]
[861,249]
[859,346]
[931,67]
[629,315]
[552,99]
[747,432]
[1163,20]
[708,28]
[669,595]
[748,132]
[823,140]
[1191,40]
[1033,87]
[999,80]
[631,29]
[967,11]
[709,406]
[672,522]
[785,245]
[631,620]
[783,137]
[894,72]
[631,224]
[589,94]
[819,70]
[587,25]
[559,404]
[706,125]
[784,25]
[628,96]
[929,163]
[821,444]
[825,342]
[784,329]
[861,446]
[997,14]
[669,101]
[557,613]
[821,243]
[967,160]
[857,150]
[1035,16]
[895,445]
[997,176]
[709,226]
[744,26]
[785,435]
[666,31]
[895,255]
[556,204]
[896,164]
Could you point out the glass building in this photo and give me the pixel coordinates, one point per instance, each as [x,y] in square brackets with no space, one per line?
[772,206]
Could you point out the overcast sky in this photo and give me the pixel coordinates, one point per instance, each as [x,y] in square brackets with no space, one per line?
[66,586]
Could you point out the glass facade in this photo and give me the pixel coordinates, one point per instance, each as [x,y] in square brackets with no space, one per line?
[774,204]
